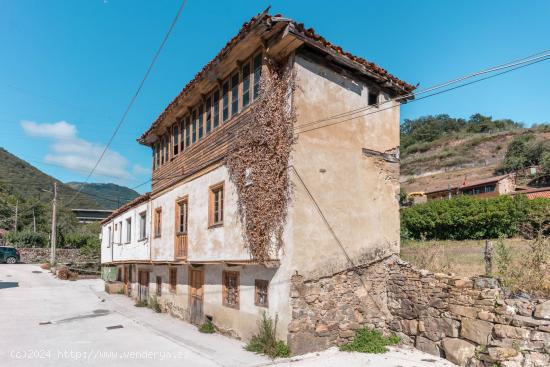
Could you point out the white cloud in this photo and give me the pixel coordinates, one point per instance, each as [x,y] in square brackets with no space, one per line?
[70,151]
[59,130]
[140,170]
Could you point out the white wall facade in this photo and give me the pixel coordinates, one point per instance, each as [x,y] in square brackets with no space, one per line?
[119,248]
[223,242]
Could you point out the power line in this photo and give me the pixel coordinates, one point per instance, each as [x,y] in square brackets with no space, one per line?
[529,60]
[134,97]
[414,100]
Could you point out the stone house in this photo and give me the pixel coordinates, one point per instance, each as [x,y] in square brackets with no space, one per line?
[275,188]
[187,243]
[489,187]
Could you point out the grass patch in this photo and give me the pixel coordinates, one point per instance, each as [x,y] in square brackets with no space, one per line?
[207,327]
[141,304]
[265,341]
[370,341]
[154,305]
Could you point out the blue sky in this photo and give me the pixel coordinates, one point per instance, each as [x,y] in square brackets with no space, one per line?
[74,65]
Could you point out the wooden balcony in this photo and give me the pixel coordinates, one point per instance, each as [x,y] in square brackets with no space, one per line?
[181,246]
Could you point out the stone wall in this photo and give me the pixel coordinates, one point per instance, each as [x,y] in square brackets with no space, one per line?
[469,321]
[63,255]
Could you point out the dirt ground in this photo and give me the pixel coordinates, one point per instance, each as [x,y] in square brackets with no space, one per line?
[464,258]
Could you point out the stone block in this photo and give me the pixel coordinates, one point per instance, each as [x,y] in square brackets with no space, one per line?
[426,345]
[539,335]
[485,316]
[302,343]
[490,293]
[470,312]
[536,359]
[498,354]
[476,330]
[542,311]
[507,331]
[458,351]
[409,327]
[482,283]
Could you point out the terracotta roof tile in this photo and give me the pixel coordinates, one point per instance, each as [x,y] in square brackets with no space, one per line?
[140,199]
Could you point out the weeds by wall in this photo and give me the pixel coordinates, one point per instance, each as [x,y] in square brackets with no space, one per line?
[258,163]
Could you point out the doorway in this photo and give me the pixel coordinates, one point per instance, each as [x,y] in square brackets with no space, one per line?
[196,295]
[143,295]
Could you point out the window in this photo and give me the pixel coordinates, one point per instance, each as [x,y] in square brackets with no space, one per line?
[246,84]
[181,219]
[216,109]
[157,154]
[164,152]
[159,286]
[200,123]
[194,127]
[260,298]
[373,98]
[142,223]
[257,74]
[173,279]
[235,94]
[175,140]
[216,205]
[154,157]
[128,230]
[230,281]
[120,232]
[187,132]
[158,222]
[208,110]
[225,100]
[110,237]
[182,135]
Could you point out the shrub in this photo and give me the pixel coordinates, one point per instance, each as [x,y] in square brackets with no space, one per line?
[207,327]
[370,341]
[27,239]
[265,341]
[154,305]
[466,217]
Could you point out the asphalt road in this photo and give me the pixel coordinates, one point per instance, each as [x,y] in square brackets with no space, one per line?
[49,322]
[45,322]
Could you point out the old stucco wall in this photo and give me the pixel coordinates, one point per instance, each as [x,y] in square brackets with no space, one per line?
[205,244]
[119,249]
[240,323]
[357,193]
[469,321]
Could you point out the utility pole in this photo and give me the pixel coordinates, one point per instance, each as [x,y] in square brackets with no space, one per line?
[16,212]
[54,224]
[33,221]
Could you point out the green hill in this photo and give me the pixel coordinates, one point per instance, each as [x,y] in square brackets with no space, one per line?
[108,195]
[26,181]
[440,150]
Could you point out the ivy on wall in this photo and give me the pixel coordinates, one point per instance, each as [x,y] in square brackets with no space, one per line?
[258,163]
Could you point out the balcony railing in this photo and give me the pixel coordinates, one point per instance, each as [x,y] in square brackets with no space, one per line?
[181,246]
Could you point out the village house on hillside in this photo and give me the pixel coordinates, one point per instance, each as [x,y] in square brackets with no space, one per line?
[256,189]
[489,187]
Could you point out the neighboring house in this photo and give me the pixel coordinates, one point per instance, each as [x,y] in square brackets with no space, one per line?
[489,187]
[343,207]
[533,193]
[91,215]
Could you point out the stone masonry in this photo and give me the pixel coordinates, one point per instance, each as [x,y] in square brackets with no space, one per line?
[469,321]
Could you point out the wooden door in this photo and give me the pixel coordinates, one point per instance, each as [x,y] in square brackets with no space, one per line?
[180,245]
[127,285]
[196,292]
[143,285]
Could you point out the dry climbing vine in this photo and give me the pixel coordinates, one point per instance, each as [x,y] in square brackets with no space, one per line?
[258,163]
